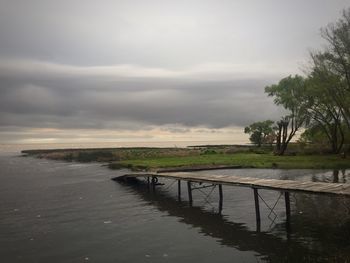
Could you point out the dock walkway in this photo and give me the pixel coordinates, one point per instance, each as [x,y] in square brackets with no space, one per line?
[272,184]
[284,186]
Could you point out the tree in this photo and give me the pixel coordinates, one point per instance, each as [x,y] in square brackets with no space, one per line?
[260,132]
[334,62]
[326,115]
[320,102]
[315,135]
[289,93]
[330,83]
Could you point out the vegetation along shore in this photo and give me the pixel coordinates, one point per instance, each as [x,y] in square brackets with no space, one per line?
[299,156]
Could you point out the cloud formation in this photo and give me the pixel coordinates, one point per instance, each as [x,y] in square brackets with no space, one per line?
[148,67]
[36,94]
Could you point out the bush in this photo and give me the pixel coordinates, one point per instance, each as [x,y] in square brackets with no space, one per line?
[208,151]
[90,156]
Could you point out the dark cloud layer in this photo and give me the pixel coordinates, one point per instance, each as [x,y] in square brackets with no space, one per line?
[56,100]
[135,65]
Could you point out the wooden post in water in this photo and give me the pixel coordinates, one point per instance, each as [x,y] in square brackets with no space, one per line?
[220,198]
[154,181]
[257,209]
[179,189]
[287,201]
[189,192]
[148,181]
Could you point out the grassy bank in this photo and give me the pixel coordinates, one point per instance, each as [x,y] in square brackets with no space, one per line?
[247,160]
[160,158]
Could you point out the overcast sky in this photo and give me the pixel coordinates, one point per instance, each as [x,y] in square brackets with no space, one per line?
[84,70]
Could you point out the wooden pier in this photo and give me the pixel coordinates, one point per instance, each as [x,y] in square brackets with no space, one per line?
[285,186]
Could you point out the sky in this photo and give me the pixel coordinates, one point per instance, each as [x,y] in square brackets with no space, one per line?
[149,70]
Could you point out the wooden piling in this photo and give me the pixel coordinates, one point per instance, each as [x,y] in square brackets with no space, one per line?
[220,198]
[179,189]
[257,209]
[189,192]
[287,202]
[154,183]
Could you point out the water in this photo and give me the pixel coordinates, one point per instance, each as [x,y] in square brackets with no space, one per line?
[69,212]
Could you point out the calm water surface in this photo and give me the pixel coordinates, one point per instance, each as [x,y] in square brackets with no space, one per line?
[68,212]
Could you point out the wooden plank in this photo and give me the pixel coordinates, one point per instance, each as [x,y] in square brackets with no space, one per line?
[273,184]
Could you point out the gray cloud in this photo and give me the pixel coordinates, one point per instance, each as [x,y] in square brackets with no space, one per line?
[135,65]
[61,98]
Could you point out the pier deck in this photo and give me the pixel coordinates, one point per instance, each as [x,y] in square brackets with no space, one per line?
[272,184]
[284,186]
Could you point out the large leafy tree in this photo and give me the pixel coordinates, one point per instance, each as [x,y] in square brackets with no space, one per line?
[331,85]
[333,64]
[320,102]
[324,112]
[261,132]
[290,94]
[329,81]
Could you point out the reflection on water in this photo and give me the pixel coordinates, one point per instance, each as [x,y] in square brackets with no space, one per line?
[337,176]
[319,229]
[227,233]
[58,212]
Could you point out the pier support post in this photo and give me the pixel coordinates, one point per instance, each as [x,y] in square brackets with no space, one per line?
[148,181]
[179,189]
[189,192]
[287,201]
[257,209]
[154,181]
[220,198]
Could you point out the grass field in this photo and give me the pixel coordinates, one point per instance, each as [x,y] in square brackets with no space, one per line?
[251,160]
[157,158]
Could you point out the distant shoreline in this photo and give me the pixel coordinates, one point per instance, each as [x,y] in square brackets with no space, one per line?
[196,157]
[18,147]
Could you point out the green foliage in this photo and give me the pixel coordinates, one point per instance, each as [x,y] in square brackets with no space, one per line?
[332,65]
[247,160]
[209,151]
[261,132]
[314,135]
[289,93]
[168,157]
[321,101]
[328,85]
[91,156]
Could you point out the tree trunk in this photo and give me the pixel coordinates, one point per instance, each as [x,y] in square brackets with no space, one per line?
[285,141]
[278,138]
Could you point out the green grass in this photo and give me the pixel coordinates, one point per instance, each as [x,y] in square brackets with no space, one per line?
[110,155]
[156,158]
[242,159]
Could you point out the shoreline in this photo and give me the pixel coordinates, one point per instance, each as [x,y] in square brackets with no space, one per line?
[193,158]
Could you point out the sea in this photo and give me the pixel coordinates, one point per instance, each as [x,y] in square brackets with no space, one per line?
[55,211]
